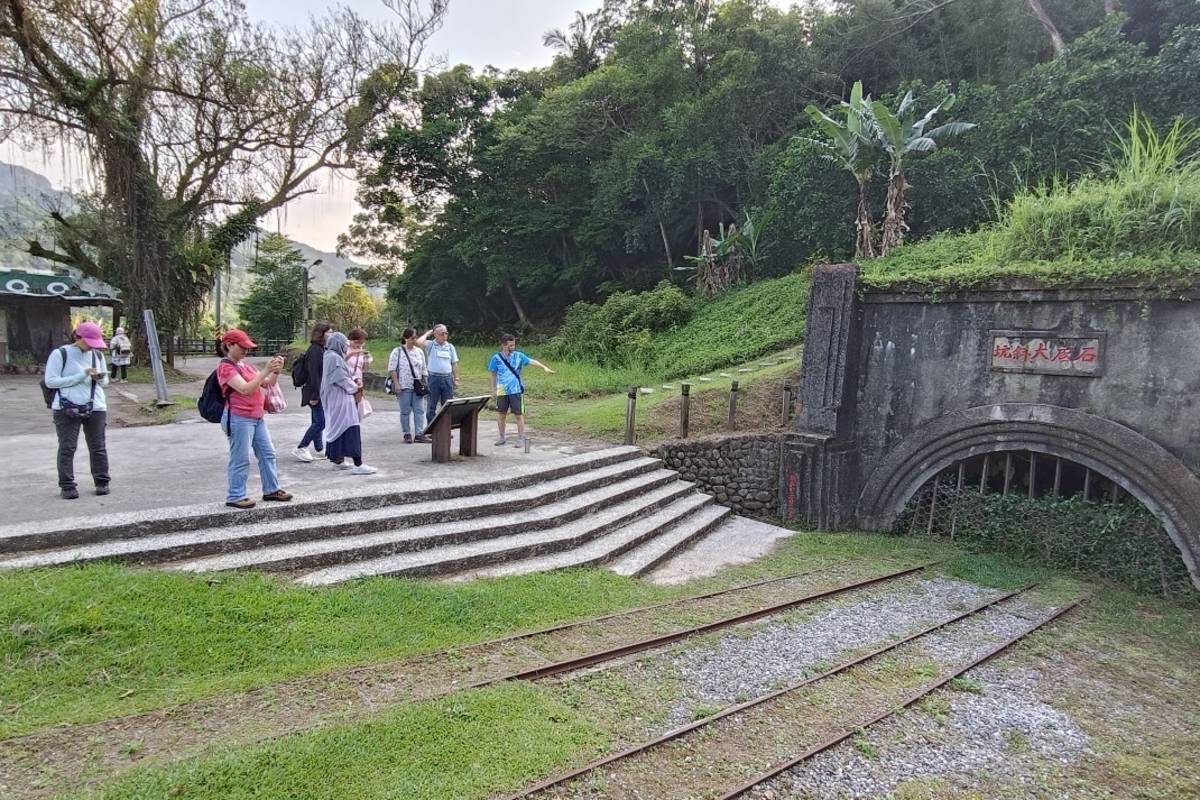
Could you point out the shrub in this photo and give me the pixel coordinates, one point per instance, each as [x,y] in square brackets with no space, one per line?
[618,332]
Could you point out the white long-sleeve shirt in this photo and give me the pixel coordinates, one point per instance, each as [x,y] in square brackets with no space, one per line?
[72,380]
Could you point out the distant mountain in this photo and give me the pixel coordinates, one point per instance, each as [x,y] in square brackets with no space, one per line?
[27,198]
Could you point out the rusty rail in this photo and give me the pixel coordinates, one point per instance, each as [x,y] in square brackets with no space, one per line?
[675,733]
[913,698]
[601,656]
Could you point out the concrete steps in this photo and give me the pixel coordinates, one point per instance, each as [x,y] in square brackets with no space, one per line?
[655,551]
[516,519]
[613,507]
[685,521]
[235,539]
[443,560]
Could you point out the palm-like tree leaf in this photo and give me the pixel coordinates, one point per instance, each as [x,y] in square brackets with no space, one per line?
[950,129]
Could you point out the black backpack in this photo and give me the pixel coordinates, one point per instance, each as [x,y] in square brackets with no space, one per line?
[47,392]
[212,401]
[300,370]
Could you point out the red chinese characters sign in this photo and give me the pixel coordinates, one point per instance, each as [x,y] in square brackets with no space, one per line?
[1046,353]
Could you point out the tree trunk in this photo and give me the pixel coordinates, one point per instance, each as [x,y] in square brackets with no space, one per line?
[1055,37]
[864,245]
[894,226]
[132,199]
[662,229]
[522,317]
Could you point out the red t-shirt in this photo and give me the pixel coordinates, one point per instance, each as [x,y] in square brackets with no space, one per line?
[239,404]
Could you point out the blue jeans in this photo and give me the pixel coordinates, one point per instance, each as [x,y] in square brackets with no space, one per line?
[315,429]
[245,433]
[441,389]
[411,404]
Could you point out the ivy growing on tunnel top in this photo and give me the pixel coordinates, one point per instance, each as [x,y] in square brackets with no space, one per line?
[1122,542]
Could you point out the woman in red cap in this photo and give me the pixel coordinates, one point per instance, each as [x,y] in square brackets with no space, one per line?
[77,374]
[245,388]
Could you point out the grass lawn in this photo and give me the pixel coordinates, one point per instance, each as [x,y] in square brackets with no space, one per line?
[94,642]
[474,744]
[86,643]
[584,399]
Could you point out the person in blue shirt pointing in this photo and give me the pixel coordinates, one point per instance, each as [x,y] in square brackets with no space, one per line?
[507,387]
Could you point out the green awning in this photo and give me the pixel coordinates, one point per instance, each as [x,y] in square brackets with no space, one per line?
[41,284]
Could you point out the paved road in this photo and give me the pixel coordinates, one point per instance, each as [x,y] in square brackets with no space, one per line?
[184,463]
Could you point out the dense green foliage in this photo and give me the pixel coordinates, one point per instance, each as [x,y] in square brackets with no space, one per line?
[1138,221]
[667,335]
[1121,542]
[512,196]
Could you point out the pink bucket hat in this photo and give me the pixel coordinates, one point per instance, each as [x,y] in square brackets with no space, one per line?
[90,332]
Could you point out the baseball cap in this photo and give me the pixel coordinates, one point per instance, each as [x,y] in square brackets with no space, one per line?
[90,332]
[235,336]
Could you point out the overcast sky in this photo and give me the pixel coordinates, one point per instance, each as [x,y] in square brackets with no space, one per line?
[504,33]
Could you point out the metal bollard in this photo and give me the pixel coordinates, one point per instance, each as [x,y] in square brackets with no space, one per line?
[630,411]
[526,444]
[686,399]
[733,390]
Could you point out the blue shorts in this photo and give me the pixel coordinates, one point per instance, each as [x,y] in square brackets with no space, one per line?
[510,402]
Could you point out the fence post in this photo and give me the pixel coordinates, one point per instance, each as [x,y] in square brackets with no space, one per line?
[686,399]
[630,411]
[786,413]
[733,390]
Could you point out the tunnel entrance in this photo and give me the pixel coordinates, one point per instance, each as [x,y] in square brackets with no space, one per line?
[1051,511]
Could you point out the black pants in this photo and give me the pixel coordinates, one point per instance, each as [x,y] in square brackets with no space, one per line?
[124,371]
[68,438]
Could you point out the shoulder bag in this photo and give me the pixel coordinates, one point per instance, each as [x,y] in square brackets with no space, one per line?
[419,387]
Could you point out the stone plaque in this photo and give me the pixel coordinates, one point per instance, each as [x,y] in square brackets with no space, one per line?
[1048,353]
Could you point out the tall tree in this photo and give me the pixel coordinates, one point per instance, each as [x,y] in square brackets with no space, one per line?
[198,122]
[851,145]
[900,134]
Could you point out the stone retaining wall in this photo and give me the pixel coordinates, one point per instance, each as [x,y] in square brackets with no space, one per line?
[741,471]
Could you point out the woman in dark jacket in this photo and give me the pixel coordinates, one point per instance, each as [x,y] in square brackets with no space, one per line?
[310,394]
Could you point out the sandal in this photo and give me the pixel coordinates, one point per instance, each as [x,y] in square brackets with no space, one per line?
[243,504]
[279,496]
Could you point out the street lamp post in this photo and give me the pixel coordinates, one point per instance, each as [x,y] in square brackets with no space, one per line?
[304,306]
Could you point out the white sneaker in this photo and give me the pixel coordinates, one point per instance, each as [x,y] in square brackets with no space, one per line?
[501,441]
[343,465]
[318,455]
[363,470]
[302,454]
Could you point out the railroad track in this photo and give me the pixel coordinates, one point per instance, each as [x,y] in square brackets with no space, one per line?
[653,642]
[848,732]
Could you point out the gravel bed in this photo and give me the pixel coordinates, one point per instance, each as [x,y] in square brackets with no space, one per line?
[740,666]
[1003,736]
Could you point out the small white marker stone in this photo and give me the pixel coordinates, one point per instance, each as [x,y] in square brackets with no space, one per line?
[726,375]
[745,369]
[646,390]
[705,380]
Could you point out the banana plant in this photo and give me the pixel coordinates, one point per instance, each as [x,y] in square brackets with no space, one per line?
[898,135]
[849,143]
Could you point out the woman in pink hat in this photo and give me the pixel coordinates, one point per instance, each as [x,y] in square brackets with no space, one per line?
[77,374]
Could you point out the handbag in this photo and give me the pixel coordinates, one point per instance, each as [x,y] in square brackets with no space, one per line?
[274,402]
[419,387]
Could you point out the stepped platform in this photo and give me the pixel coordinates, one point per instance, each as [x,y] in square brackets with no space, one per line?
[613,507]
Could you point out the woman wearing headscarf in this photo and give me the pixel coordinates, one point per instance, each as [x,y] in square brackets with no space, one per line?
[338,389]
[121,350]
